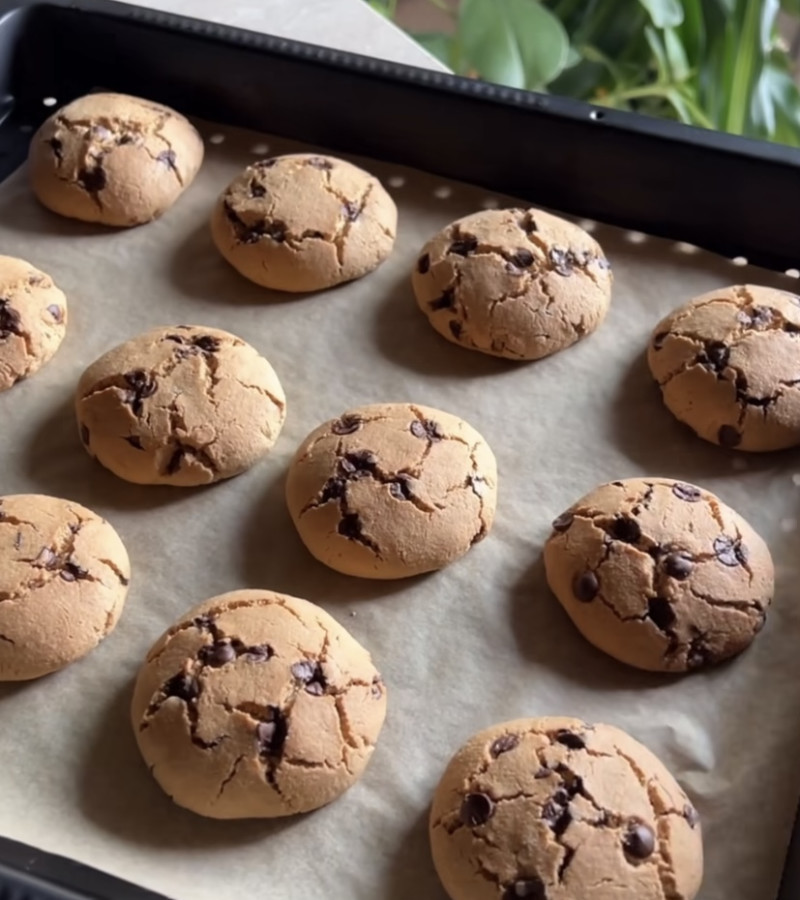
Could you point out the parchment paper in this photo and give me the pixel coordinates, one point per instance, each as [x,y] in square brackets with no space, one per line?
[478,643]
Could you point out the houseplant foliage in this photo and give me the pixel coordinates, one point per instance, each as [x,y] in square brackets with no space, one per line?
[714,63]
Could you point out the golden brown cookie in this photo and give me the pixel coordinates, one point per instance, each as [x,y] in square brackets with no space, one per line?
[303,222]
[554,809]
[517,283]
[180,405]
[728,364]
[392,490]
[660,574]
[114,159]
[33,320]
[255,704]
[64,576]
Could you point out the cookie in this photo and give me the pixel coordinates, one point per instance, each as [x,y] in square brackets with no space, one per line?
[64,574]
[304,222]
[113,159]
[728,364]
[180,405]
[554,809]
[33,320]
[392,490]
[660,574]
[516,283]
[256,704]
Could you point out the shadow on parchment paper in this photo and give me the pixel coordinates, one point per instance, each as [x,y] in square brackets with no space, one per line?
[119,795]
[39,220]
[648,434]
[545,634]
[412,873]
[274,557]
[405,337]
[58,463]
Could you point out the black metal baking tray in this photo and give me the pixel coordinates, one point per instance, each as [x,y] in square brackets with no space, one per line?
[731,195]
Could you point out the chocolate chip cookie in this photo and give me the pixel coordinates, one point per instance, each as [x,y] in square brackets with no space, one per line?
[516,283]
[114,159]
[33,320]
[728,364]
[255,704]
[64,574]
[181,405]
[392,490]
[554,809]
[303,222]
[660,574]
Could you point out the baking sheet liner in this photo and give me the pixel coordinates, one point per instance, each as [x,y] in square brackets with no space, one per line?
[478,643]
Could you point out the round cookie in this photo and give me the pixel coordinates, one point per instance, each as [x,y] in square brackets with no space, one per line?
[392,490]
[303,222]
[256,704]
[728,364]
[554,809]
[516,283]
[660,574]
[113,159]
[180,405]
[33,320]
[64,574]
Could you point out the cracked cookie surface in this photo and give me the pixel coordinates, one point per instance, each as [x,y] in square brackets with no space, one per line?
[257,704]
[304,222]
[660,574]
[516,283]
[554,809]
[392,490]
[64,575]
[114,159]
[728,364]
[33,320]
[180,405]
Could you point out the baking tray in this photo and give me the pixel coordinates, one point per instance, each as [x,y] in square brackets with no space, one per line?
[726,194]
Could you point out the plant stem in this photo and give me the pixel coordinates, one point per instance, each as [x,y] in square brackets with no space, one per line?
[647,92]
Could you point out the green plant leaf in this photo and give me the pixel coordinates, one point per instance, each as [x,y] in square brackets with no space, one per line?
[439,45]
[693,31]
[676,55]
[664,13]
[776,95]
[519,43]
[791,6]
[749,46]
[659,53]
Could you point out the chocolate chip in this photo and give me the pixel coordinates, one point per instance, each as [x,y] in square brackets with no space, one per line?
[56,312]
[334,489]
[687,492]
[729,436]
[351,527]
[377,688]
[271,734]
[358,461]
[309,673]
[177,338]
[661,613]
[528,224]
[730,552]
[563,261]
[570,739]
[658,340]
[175,461]
[522,259]
[206,343]
[585,587]
[715,356]
[92,180]
[455,328]
[639,840]
[626,529]
[135,442]
[85,436]
[183,686]
[346,425]
[125,139]
[531,888]
[57,147]
[256,189]
[9,320]
[204,623]
[691,815]
[73,572]
[757,317]
[45,559]
[217,654]
[426,428]
[445,301]
[142,386]
[503,744]
[401,488]
[678,565]
[317,162]
[476,809]
[698,654]
[464,246]
[563,522]
[258,653]
[167,157]
[274,230]
[351,211]
[424,263]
